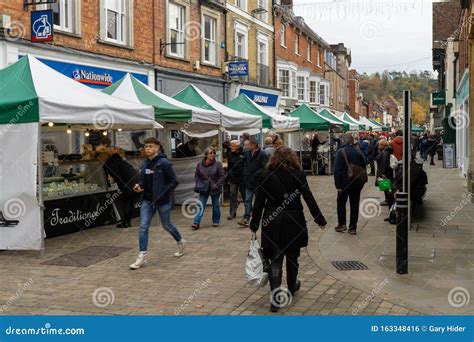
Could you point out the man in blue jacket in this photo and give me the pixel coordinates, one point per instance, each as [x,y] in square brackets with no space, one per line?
[157,182]
[347,189]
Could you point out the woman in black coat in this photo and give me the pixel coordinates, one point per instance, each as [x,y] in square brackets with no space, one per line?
[384,171]
[278,206]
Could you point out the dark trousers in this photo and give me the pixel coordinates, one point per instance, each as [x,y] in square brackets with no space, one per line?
[372,167]
[275,271]
[432,159]
[234,190]
[353,194]
[126,203]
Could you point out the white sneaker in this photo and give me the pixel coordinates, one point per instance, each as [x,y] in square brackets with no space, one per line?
[180,251]
[140,262]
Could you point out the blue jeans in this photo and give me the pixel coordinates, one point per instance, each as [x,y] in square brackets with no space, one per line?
[248,203]
[216,211]
[147,210]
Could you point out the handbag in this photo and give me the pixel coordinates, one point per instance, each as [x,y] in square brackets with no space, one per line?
[384,184]
[255,269]
[202,185]
[393,162]
[355,173]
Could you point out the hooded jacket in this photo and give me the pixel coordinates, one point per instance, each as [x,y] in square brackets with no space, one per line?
[397,147]
[164,179]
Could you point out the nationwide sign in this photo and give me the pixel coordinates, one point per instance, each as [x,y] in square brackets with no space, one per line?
[42,26]
[238,68]
[91,77]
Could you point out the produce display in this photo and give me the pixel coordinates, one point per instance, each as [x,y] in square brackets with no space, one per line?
[68,188]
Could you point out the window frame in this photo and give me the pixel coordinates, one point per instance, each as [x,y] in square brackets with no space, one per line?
[263,16]
[240,29]
[286,92]
[203,39]
[243,4]
[127,20]
[181,49]
[297,44]
[283,35]
[74,19]
[308,50]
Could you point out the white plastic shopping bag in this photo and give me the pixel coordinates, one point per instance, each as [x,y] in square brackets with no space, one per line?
[254,266]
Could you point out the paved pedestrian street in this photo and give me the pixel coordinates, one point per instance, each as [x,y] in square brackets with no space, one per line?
[210,278]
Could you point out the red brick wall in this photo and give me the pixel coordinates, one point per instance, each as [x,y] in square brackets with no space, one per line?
[194,47]
[143,34]
[445,19]
[289,54]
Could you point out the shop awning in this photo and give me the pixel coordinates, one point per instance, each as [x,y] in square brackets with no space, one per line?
[347,126]
[232,119]
[384,128]
[167,109]
[349,118]
[269,120]
[30,91]
[416,129]
[310,120]
[370,125]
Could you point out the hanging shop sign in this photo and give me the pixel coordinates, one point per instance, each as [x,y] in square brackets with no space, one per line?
[238,68]
[438,98]
[42,26]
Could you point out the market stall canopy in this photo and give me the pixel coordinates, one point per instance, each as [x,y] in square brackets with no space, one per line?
[347,126]
[310,120]
[167,109]
[369,124]
[232,119]
[30,91]
[384,128]
[269,120]
[416,129]
[349,118]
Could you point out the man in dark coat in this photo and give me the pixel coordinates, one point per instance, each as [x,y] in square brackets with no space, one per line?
[235,176]
[255,161]
[347,189]
[126,177]
[372,153]
[187,150]
[278,206]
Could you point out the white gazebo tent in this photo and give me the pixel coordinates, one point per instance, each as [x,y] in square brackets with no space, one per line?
[32,94]
[373,127]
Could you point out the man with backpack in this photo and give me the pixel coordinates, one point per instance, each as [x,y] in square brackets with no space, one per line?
[350,175]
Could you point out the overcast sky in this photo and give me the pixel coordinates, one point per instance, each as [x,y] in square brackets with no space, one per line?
[382,34]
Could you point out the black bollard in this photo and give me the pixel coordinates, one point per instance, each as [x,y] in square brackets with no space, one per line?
[402,233]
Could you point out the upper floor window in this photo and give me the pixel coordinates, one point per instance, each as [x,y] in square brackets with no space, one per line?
[176,18]
[308,51]
[209,38]
[297,44]
[241,41]
[242,4]
[116,18]
[66,15]
[319,57]
[284,82]
[263,14]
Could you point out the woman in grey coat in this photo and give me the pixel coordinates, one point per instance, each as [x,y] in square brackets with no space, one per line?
[209,178]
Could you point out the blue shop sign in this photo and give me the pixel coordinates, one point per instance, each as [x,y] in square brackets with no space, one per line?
[42,26]
[263,99]
[240,68]
[94,77]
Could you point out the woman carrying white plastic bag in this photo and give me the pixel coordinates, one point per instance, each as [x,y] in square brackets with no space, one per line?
[254,265]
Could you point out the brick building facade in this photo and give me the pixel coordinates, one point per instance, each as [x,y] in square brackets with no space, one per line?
[354,94]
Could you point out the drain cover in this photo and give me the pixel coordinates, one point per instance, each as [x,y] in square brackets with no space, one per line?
[349,265]
[87,256]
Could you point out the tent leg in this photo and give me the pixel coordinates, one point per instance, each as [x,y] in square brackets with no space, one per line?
[301,149]
[330,155]
[40,192]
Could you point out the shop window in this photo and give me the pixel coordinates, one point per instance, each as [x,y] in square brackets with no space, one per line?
[209,38]
[313,91]
[284,82]
[301,88]
[176,38]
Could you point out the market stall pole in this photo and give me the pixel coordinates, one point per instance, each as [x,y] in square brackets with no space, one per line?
[32,94]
